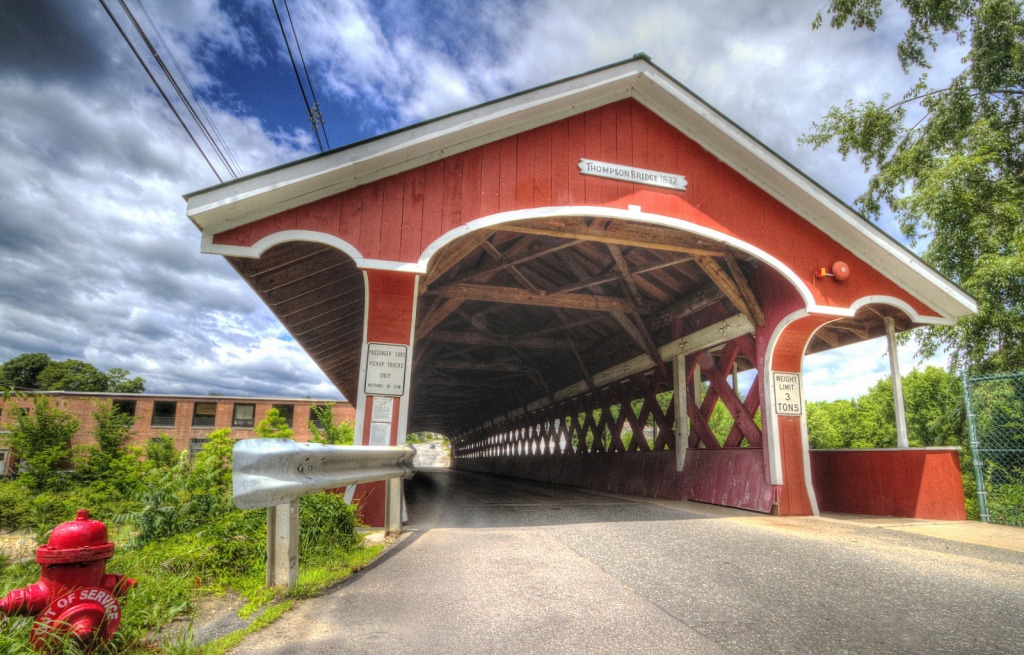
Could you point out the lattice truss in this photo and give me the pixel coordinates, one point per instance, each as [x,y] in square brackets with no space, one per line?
[636,414]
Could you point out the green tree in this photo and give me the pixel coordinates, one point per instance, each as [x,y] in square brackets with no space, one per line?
[331,432]
[935,408]
[119,382]
[42,440]
[948,160]
[23,370]
[160,451]
[112,430]
[273,426]
[72,375]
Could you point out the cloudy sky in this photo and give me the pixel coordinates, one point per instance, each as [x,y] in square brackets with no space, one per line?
[98,260]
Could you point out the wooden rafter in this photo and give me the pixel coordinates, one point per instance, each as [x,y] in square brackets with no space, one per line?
[436,315]
[514,296]
[725,283]
[452,254]
[745,291]
[622,234]
[477,339]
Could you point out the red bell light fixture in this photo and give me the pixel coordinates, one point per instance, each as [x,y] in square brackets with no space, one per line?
[840,271]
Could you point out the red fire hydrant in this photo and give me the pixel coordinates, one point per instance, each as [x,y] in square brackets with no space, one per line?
[75,596]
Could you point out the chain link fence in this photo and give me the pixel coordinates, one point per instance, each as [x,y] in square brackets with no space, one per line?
[995,421]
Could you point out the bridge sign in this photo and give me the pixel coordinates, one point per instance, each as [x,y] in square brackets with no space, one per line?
[787,394]
[385,369]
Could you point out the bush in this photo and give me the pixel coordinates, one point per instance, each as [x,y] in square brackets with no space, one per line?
[327,524]
[15,505]
[42,440]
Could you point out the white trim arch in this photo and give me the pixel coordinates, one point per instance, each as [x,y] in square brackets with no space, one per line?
[633,214]
[284,236]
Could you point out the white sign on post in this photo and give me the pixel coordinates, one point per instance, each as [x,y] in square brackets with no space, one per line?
[380,434]
[385,369]
[787,394]
[383,407]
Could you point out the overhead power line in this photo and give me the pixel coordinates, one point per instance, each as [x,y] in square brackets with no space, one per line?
[167,100]
[201,117]
[218,139]
[316,117]
[312,111]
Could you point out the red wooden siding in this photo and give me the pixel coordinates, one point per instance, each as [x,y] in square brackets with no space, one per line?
[397,218]
[912,483]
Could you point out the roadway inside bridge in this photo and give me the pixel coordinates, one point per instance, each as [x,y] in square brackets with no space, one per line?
[492,565]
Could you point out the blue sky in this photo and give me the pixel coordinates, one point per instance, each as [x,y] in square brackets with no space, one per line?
[100,262]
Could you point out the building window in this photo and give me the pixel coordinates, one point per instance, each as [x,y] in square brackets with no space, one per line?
[244,416]
[194,446]
[287,412]
[125,407]
[314,419]
[204,415]
[164,412]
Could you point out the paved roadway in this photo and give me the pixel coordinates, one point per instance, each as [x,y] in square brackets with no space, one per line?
[490,565]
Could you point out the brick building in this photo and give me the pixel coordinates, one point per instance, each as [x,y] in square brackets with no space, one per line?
[185,419]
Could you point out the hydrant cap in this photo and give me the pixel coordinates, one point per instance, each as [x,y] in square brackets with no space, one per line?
[81,540]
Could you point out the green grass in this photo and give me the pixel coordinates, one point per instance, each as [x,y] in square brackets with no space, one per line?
[174,573]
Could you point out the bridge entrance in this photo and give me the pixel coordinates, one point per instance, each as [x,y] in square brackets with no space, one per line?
[602,282]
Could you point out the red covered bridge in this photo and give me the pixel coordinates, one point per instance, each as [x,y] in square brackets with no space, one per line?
[566,281]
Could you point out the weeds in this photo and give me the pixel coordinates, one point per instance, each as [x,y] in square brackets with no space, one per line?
[180,536]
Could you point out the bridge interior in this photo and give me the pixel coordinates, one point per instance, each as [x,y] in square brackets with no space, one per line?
[530,314]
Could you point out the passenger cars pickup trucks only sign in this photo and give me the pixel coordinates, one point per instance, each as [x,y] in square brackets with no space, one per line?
[787,394]
[385,369]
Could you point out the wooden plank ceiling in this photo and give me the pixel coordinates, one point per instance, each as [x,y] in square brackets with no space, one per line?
[510,315]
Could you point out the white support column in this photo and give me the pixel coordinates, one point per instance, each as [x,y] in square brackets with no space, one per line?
[283,545]
[897,384]
[681,394]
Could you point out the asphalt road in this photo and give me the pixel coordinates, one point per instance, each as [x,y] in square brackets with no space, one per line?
[499,566]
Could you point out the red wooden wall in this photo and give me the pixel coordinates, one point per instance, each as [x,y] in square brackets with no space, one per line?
[398,217]
[914,483]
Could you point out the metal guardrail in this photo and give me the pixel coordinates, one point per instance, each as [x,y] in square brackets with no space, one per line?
[275,473]
[269,472]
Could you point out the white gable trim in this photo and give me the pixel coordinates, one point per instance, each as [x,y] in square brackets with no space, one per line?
[243,201]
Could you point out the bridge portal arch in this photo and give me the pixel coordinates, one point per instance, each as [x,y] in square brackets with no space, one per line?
[538,272]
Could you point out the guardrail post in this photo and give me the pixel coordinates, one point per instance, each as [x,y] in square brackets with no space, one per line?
[283,545]
[393,507]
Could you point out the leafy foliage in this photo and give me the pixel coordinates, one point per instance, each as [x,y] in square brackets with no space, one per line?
[331,432]
[113,429]
[188,536]
[187,495]
[948,161]
[38,371]
[273,426]
[934,405]
[41,439]
[23,370]
[72,375]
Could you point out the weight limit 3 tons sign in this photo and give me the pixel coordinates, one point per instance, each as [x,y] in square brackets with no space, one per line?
[787,394]
[385,369]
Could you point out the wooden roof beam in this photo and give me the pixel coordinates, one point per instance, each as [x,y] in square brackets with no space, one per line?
[622,234]
[436,315]
[476,339]
[725,283]
[745,290]
[514,296]
[452,254]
